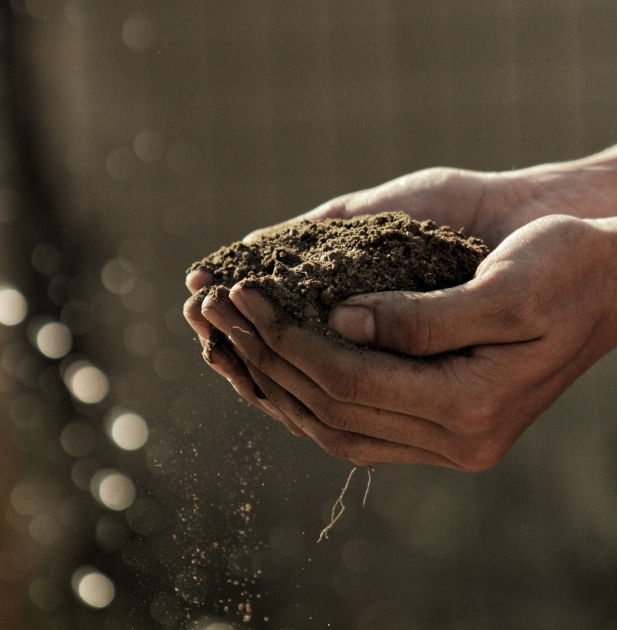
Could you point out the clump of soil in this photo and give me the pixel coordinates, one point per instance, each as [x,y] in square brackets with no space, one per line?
[308,267]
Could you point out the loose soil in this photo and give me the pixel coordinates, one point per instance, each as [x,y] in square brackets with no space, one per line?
[309,267]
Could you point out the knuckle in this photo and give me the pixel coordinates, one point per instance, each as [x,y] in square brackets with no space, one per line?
[274,340]
[481,416]
[513,306]
[421,325]
[273,336]
[263,359]
[336,416]
[409,323]
[523,311]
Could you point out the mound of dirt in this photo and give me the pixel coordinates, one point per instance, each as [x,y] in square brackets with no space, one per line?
[307,268]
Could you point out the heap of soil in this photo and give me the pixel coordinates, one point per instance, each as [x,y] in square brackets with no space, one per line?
[308,267]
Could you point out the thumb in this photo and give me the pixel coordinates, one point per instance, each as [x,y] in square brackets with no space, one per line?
[422,324]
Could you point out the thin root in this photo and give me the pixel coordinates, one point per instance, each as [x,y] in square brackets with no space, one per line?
[335,516]
[246,332]
[369,470]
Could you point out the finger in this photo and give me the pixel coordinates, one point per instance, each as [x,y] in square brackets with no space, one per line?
[224,360]
[269,404]
[434,390]
[192,314]
[345,416]
[447,196]
[490,309]
[198,279]
[344,444]
[234,369]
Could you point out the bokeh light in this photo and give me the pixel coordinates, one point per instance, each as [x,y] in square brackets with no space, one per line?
[33,497]
[140,298]
[113,489]
[44,594]
[27,411]
[111,532]
[149,145]
[40,9]
[129,431]
[140,338]
[119,276]
[86,382]
[45,529]
[82,472]
[74,13]
[13,307]
[54,340]
[46,259]
[165,609]
[139,252]
[138,33]
[121,164]
[93,588]
[145,517]
[176,323]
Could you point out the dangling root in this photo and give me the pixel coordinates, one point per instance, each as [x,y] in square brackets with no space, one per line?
[369,470]
[339,502]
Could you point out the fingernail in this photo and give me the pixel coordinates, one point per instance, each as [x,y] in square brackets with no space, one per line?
[217,320]
[354,323]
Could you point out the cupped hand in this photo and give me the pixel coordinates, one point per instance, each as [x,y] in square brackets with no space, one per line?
[538,313]
[489,205]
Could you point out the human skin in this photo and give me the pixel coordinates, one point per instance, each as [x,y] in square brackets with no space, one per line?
[537,314]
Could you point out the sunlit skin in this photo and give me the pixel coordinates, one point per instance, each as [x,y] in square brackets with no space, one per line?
[538,313]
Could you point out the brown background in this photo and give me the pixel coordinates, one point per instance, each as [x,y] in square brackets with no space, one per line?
[266,109]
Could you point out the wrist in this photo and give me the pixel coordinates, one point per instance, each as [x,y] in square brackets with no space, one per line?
[585,188]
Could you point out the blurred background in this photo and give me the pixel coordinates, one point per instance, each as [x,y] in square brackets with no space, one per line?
[137,490]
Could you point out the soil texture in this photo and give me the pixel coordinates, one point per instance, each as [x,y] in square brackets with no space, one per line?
[307,268]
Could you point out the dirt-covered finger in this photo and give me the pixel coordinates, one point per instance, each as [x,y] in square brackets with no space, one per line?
[225,361]
[344,444]
[264,385]
[436,390]
[192,314]
[198,279]
[354,418]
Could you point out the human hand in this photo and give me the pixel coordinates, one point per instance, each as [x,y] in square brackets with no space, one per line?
[490,205]
[539,312]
